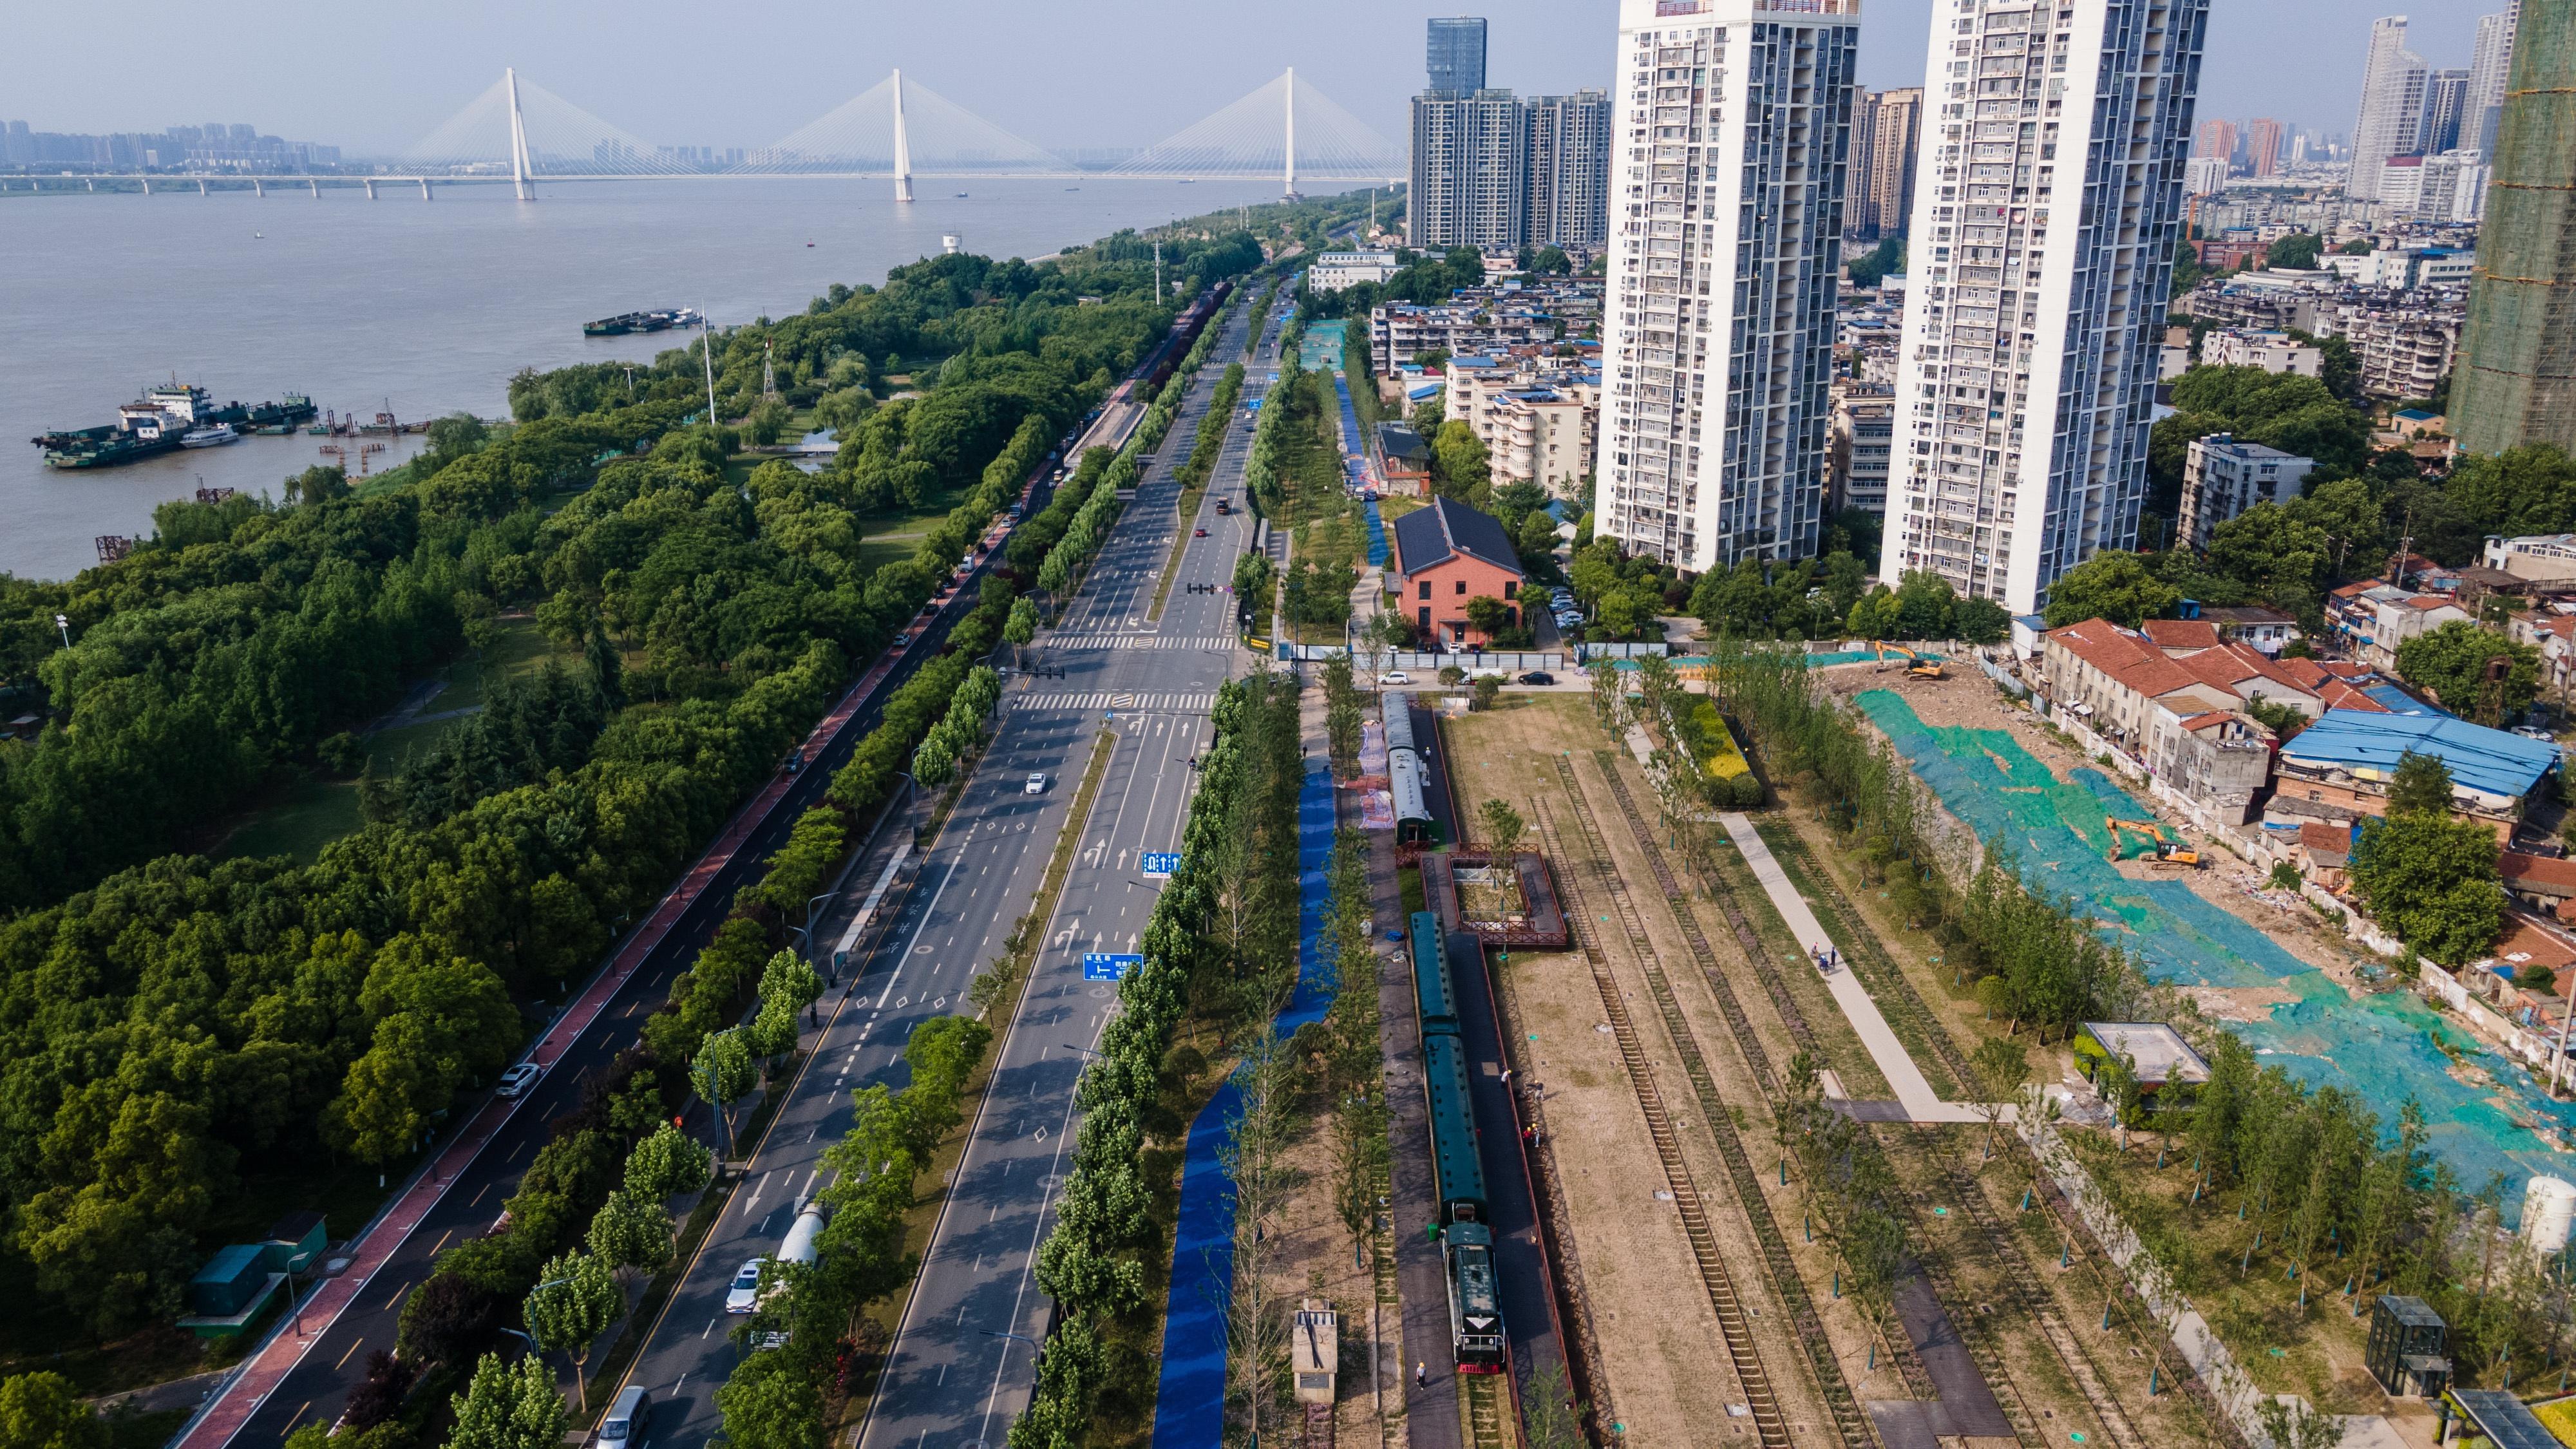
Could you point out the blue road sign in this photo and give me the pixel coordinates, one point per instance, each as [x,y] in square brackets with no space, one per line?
[1101,966]
[1159,864]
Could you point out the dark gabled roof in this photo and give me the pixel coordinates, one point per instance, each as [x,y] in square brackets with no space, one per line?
[1397,440]
[1426,536]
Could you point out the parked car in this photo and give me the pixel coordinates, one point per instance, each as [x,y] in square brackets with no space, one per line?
[1037,784]
[520,1078]
[1538,676]
[1395,676]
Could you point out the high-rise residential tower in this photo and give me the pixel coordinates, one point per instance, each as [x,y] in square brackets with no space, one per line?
[2263,138]
[2515,381]
[1470,171]
[1728,175]
[1885,126]
[1454,55]
[2391,122]
[2048,201]
[2489,63]
[2215,138]
[1567,147]
[2446,96]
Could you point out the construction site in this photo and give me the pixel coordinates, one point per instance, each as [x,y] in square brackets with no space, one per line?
[1666,1062]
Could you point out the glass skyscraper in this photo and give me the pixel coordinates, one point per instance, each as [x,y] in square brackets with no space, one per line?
[1456,55]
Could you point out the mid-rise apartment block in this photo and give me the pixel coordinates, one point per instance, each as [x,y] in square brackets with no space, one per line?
[1729,173]
[2047,200]
[2270,351]
[2222,477]
[1864,428]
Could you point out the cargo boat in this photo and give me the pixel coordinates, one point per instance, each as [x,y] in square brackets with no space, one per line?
[163,422]
[660,320]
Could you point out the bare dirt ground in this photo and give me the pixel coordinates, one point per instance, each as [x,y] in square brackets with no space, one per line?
[1659,1335]
[1309,1255]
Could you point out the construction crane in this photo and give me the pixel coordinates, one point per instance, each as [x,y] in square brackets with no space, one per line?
[1916,667]
[2159,849]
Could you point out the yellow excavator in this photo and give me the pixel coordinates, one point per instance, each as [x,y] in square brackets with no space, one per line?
[2158,849]
[1916,667]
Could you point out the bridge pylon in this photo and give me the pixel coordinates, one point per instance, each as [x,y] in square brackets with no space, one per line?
[519,167]
[902,145]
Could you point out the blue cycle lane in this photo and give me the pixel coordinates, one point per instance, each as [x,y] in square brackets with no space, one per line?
[1355,465]
[1189,1408]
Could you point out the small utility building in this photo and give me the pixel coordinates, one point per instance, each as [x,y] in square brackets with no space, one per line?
[2169,1072]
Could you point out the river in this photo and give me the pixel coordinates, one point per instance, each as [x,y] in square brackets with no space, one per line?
[428,308]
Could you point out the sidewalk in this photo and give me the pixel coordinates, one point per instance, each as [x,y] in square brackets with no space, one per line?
[1915,1094]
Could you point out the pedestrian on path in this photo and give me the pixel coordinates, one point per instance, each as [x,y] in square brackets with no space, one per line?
[1421,1374]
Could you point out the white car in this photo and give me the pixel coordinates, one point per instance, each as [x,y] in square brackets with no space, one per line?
[1037,784]
[744,1295]
[1395,676]
[520,1078]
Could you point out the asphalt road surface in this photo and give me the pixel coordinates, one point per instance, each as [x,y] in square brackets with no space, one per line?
[319,1385]
[954,1375]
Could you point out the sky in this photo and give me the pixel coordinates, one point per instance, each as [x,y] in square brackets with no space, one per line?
[374,78]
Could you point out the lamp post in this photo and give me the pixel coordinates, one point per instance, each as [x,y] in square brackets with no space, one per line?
[64,623]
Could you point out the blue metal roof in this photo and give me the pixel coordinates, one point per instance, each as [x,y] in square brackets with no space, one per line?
[2397,701]
[2490,761]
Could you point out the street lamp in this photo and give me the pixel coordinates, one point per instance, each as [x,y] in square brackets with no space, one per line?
[64,623]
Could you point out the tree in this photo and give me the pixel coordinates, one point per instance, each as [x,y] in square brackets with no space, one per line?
[575,1300]
[1463,467]
[1924,604]
[630,1230]
[2283,561]
[2422,784]
[508,1406]
[1488,615]
[2456,661]
[1023,623]
[2298,250]
[2113,585]
[2001,1065]
[1503,824]
[668,1163]
[1483,694]
[792,979]
[42,1411]
[1980,621]
[771,1402]
[722,1073]
[2430,880]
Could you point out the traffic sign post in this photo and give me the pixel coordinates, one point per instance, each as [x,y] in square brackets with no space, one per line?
[1103,966]
[1159,864]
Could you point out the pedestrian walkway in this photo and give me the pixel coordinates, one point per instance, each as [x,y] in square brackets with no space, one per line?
[1072,643]
[1122,702]
[1915,1094]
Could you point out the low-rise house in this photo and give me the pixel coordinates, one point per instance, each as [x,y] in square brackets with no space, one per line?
[1404,461]
[2541,883]
[2371,619]
[2267,629]
[2252,347]
[2328,852]
[2176,714]
[2544,557]
[1447,553]
[2340,768]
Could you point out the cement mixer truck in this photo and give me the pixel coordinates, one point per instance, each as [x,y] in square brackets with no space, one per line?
[801,1245]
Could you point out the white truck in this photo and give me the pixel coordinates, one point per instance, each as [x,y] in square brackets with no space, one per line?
[800,1246]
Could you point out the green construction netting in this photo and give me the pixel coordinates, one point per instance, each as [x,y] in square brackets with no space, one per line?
[2385,1047]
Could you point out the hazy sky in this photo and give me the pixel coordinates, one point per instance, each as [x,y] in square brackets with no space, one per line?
[377,77]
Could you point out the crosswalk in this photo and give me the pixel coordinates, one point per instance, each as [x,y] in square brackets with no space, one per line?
[1138,641]
[1136,701]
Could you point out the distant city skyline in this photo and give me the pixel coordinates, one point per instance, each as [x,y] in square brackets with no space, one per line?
[394,74]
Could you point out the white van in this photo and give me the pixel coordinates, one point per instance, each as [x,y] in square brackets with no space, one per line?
[627,1420]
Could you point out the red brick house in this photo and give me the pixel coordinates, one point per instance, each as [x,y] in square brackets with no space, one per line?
[1446,554]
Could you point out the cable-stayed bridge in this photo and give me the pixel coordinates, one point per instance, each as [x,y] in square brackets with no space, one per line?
[897,130]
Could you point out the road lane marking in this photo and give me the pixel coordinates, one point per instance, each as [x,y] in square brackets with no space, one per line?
[353,1349]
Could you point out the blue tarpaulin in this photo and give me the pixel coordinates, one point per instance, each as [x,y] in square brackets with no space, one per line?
[2490,761]
[1189,1407]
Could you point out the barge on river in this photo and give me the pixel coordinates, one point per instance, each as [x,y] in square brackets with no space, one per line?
[163,421]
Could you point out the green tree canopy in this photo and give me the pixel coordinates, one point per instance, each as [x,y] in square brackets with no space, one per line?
[2430,880]
[2113,585]
[2422,786]
[668,1163]
[2298,249]
[2453,662]
[43,1411]
[509,1406]
[2283,560]
[574,1302]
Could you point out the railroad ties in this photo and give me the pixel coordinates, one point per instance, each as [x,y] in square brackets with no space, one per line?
[1733,1322]
[1851,1423]
[1489,1422]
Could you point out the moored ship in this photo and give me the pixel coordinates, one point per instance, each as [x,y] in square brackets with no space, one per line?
[165,419]
[660,320]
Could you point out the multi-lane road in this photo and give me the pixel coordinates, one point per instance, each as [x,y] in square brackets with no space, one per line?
[962,1360]
[330,1362]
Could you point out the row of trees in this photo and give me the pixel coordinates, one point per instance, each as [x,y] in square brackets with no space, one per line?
[783,1397]
[175,1022]
[1222,937]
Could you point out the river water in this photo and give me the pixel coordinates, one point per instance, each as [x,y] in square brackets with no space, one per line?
[427,308]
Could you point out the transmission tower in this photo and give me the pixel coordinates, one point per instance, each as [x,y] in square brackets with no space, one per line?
[768,373]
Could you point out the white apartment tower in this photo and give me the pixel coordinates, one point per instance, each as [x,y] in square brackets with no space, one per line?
[2046,202]
[1728,168]
[2391,122]
[2489,63]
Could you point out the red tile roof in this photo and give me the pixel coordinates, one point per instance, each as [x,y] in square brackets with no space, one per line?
[2537,874]
[2181,633]
[2125,657]
[2338,695]
[2334,839]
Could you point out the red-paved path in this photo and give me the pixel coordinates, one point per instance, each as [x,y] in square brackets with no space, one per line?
[248,1390]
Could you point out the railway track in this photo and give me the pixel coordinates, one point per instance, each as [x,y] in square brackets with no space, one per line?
[1888,985]
[1851,1423]
[1489,1416]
